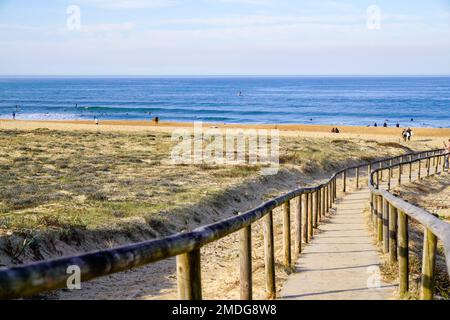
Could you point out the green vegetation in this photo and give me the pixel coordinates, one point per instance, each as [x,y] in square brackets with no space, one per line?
[58,180]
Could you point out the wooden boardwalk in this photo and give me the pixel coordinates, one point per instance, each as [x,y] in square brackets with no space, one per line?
[342,260]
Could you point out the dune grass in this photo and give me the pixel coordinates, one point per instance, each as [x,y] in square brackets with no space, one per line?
[85,179]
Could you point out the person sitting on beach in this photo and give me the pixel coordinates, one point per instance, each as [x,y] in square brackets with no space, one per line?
[375,125]
[385,125]
[398,125]
[156,120]
[447,154]
[333,130]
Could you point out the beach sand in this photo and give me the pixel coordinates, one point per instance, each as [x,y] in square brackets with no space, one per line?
[305,130]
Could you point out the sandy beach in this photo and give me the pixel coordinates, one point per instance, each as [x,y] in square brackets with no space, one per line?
[285,129]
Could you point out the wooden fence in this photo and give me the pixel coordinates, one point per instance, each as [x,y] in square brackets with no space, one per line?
[390,215]
[312,204]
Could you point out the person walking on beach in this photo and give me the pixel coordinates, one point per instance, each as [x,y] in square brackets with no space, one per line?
[409,134]
[14,115]
[447,154]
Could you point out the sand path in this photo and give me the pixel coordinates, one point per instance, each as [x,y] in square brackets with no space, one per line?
[342,261]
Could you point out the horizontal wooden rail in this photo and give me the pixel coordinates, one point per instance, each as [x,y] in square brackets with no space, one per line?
[397,231]
[30,279]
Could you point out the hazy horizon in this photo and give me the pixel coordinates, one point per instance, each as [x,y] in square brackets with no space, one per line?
[223,76]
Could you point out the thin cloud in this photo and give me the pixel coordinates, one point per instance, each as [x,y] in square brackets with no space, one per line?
[264,20]
[129,4]
[250,2]
[108,27]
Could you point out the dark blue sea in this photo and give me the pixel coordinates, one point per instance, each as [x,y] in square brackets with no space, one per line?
[410,101]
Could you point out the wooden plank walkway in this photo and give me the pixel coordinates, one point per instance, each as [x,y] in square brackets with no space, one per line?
[342,261]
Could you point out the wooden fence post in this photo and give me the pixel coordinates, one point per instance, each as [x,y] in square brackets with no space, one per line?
[436,162]
[385,226]
[316,208]
[372,207]
[378,179]
[269,256]
[319,206]
[311,214]
[392,234]
[428,167]
[428,265]
[335,190]
[391,172]
[389,178]
[380,218]
[344,180]
[287,233]
[324,201]
[357,178]
[306,218]
[189,276]
[399,174]
[245,257]
[375,214]
[327,199]
[403,243]
[420,165]
[410,171]
[298,226]
[331,195]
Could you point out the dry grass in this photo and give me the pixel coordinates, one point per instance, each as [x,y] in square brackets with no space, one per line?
[60,179]
[66,184]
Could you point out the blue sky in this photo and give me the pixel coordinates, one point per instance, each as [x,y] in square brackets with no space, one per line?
[225,37]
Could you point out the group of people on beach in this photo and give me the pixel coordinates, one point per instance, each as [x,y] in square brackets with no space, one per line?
[385,125]
[335,130]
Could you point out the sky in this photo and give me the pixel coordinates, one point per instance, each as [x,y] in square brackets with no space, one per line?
[224,37]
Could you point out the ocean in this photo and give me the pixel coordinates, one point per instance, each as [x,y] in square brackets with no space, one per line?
[409,101]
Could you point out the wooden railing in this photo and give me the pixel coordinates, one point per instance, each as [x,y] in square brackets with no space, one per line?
[390,215]
[312,205]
